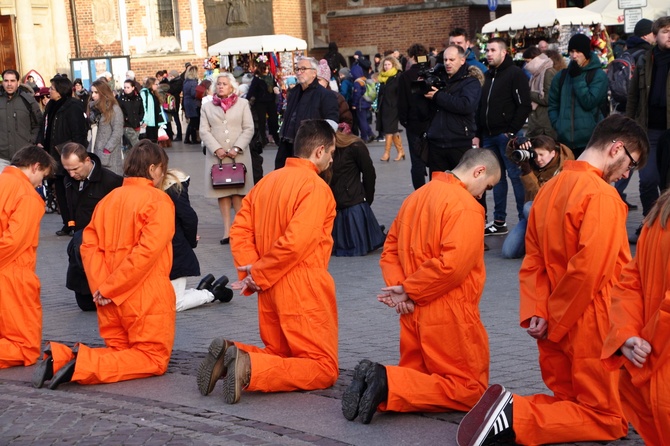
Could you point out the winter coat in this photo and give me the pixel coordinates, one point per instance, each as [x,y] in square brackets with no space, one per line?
[68,124]
[387,99]
[343,109]
[176,86]
[538,120]
[505,100]
[472,60]
[191,104]
[184,262]
[637,106]
[453,125]
[133,109]
[354,176]
[414,110]
[20,120]
[574,108]
[109,136]
[153,109]
[314,102]
[346,89]
[258,92]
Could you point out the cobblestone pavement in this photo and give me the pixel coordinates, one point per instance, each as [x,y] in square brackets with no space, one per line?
[169,410]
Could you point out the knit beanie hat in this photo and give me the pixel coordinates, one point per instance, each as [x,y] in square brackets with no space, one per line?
[323,70]
[581,43]
[643,27]
[346,72]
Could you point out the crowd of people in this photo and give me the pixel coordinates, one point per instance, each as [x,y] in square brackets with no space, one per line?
[597,314]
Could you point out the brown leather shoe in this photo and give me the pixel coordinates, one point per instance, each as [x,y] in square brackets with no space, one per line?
[212,367]
[238,374]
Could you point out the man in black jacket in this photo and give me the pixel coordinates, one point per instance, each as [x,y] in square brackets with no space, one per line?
[503,109]
[453,127]
[414,111]
[176,82]
[86,184]
[308,100]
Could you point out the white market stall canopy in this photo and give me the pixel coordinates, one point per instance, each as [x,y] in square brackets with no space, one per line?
[545,18]
[257,44]
[612,15]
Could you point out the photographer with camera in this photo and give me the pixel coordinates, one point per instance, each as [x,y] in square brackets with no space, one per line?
[454,92]
[540,159]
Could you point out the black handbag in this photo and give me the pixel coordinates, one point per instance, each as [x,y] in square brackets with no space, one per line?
[228,175]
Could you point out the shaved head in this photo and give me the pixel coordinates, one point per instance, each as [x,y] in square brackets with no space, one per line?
[476,157]
[479,170]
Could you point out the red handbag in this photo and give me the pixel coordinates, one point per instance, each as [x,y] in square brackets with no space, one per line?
[228,175]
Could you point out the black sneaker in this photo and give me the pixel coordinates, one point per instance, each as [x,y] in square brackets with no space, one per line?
[496,228]
[489,421]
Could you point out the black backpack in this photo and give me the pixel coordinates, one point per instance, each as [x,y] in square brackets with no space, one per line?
[619,74]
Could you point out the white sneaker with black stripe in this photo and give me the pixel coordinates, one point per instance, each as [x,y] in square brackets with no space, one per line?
[489,421]
[494,228]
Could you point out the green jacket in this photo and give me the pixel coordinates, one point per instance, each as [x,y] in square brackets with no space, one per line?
[574,107]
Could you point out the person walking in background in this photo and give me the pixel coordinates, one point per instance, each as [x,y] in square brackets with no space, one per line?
[127,255]
[263,100]
[184,261]
[361,106]
[281,243]
[87,183]
[81,93]
[132,107]
[356,231]
[503,108]
[434,276]
[106,117]
[459,36]
[226,128]
[387,124]
[345,115]
[153,110]
[637,343]
[191,105]
[64,121]
[21,210]
[576,248]
[542,72]
[576,96]
[648,100]
[176,83]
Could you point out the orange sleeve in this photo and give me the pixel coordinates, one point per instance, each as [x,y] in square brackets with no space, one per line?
[438,276]
[242,235]
[20,229]
[389,262]
[156,234]
[314,206]
[534,281]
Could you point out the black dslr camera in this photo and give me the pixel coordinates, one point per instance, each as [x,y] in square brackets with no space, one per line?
[520,155]
[428,77]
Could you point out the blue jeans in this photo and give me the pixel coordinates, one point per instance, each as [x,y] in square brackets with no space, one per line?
[498,144]
[418,169]
[514,246]
[649,178]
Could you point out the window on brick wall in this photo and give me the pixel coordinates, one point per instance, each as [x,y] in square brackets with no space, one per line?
[166,18]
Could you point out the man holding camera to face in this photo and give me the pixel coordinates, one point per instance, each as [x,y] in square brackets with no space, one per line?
[455,98]
[540,159]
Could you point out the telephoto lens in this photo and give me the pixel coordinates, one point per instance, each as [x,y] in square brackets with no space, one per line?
[520,155]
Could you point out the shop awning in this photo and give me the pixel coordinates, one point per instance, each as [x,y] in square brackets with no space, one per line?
[612,15]
[545,18]
[257,44]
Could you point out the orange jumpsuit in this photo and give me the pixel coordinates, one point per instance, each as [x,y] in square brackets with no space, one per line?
[21,210]
[284,231]
[576,247]
[127,255]
[435,249]
[641,307]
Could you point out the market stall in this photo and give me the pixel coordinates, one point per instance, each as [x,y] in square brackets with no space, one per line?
[612,15]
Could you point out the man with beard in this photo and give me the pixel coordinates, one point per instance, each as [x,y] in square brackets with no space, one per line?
[576,248]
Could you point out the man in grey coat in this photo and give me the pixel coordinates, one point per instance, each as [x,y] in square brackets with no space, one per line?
[20,117]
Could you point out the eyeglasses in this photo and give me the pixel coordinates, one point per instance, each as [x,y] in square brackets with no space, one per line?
[633,164]
[303,69]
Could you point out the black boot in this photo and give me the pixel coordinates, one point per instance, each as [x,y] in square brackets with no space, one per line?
[352,396]
[206,283]
[376,392]
[44,370]
[219,290]
[64,375]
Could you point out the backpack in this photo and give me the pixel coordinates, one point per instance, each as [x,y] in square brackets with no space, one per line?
[170,104]
[619,74]
[370,91]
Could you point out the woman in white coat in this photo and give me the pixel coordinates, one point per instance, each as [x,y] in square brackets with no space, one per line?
[226,128]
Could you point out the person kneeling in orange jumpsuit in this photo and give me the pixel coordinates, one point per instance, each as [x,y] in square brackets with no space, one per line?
[281,242]
[433,266]
[21,209]
[576,247]
[127,256]
[639,339]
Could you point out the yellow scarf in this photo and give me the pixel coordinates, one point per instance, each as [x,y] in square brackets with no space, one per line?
[386,75]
